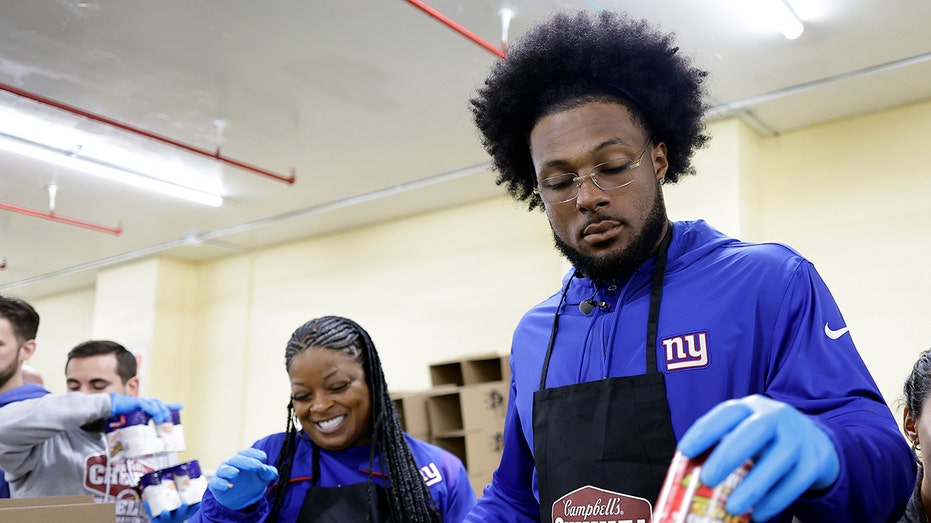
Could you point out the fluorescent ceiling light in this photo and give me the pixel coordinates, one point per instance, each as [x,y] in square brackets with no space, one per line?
[786,19]
[64,145]
[97,168]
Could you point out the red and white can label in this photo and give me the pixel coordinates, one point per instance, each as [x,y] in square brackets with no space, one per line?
[685,499]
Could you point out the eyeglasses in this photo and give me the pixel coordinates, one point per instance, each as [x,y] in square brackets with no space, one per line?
[607,176]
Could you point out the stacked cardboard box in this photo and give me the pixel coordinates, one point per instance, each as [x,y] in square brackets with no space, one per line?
[65,509]
[463,412]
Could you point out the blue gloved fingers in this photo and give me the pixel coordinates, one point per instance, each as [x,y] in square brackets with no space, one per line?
[157,409]
[771,467]
[814,465]
[254,460]
[253,452]
[710,428]
[175,406]
[747,440]
[243,462]
[121,404]
[226,473]
[792,454]
[221,483]
[242,480]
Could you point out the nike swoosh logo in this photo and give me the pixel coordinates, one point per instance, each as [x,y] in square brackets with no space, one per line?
[834,334]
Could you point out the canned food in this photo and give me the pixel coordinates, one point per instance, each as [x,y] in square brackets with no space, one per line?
[132,435]
[159,491]
[685,499]
[171,432]
[189,481]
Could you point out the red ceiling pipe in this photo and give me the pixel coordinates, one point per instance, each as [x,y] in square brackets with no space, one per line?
[142,132]
[456,27]
[61,219]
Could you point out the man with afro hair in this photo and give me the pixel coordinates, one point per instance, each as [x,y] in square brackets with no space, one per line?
[664,336]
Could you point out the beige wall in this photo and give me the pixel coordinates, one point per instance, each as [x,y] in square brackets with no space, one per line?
[848,195]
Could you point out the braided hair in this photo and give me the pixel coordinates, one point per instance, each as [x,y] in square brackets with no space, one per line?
[408,496]
[917,386]
[916,390]
[571,60]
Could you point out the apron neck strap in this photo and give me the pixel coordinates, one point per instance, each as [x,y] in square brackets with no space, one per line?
[656,298]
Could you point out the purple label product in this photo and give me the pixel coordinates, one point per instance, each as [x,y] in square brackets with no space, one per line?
[189,481]
[159,491]
[132,435]
[172,433]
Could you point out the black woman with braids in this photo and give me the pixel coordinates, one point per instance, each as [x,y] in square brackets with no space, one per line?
[343,456]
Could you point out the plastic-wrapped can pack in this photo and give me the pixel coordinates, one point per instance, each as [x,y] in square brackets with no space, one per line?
[685,499]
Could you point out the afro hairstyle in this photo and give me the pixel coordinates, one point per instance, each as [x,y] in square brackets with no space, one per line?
[570,60]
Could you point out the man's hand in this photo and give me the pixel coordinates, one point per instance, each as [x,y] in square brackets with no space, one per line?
[121,404]
[792,454]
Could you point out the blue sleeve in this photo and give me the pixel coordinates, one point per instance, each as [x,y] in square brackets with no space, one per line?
[212,511]
[818,370]
[461,496]
[510,497]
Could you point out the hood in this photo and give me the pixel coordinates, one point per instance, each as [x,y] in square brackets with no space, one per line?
[26,391]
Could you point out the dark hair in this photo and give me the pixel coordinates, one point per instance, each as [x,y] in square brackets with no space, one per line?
[125,360]
[22,317]
[918,384]
[568,61]
[408,496]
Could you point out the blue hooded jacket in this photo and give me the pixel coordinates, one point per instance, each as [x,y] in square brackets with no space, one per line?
[736,319]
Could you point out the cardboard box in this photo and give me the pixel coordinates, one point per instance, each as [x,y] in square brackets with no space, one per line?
[471,370]
[412,412]
[480,450]
[467,408]
[57,509]
[479,481]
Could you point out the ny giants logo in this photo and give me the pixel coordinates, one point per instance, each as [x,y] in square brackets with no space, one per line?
[686,351]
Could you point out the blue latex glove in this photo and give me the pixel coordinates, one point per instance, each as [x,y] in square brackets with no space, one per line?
[120,404]
[242,480]
[179,515]
[792,455]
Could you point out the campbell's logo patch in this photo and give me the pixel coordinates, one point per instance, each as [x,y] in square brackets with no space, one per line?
[590,504]
[686,351]
[97,477]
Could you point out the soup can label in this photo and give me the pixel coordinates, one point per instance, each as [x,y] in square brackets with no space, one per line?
[685,499]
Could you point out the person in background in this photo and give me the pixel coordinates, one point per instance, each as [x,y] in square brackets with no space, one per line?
[54,445]
[343,456]
[664,336]
[19,324]
[917,427]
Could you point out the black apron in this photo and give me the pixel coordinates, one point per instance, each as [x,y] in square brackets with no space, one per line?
[344,505]
[614,435]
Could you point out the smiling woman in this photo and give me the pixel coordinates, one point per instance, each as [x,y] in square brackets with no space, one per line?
[342,447]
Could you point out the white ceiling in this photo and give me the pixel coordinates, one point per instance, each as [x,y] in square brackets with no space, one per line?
[367,103]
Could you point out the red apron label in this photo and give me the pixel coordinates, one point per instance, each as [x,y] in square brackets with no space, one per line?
[594,505]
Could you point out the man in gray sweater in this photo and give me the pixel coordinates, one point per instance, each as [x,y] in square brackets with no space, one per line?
[55,445]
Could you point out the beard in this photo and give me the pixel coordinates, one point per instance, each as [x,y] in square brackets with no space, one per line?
[7,373]
[620,265]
